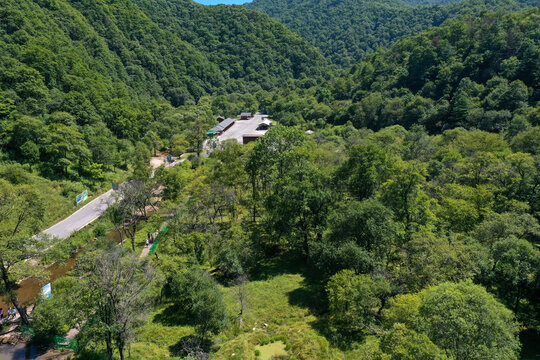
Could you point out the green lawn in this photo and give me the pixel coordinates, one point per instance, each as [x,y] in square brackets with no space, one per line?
[267,352]
[276,312]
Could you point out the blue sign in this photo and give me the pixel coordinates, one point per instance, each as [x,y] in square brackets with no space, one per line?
[79,199]
[46,291]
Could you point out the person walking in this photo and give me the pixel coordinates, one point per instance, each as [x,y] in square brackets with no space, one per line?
[14,312]
[9,313]
[146,243]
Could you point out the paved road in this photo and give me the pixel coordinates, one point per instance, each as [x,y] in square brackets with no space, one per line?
[87,214]
[82,217]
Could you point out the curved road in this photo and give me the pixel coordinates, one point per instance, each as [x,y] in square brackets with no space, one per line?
[87,214]
[82,217]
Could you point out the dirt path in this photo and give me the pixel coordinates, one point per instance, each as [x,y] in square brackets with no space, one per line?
[157,161]
[145,251]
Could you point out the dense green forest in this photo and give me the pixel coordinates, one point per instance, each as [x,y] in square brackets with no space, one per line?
[251,50]
[472,72]
[346,244]
[348,30]
[391,213]
[82,81]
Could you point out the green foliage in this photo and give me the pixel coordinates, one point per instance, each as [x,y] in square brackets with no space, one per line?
[249,47]
[397,216]
[61,312]
[402,343]
[354,300]
[197,296]
[82,81]
[118,286]
[447,306]
[361,235]
[366,168]
[513,270]
[464,320]
[429,259]
[346,31]
[454,75]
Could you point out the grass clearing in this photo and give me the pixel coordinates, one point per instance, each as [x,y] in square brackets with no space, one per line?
[267,352]
[276,317]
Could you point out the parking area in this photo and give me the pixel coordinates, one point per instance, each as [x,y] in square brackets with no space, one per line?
[243,127]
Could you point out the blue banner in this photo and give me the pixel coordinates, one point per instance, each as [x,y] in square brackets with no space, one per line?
[46,291]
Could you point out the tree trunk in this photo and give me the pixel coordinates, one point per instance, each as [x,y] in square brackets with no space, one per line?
[121,350]
[306,245]
[518,299]
[254,193]
[8,285]
[20,309]
[383,303]
[108,342]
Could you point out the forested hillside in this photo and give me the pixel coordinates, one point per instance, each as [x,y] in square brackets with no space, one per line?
[347,244]
[388,213]
[249,49]
[347,30]
[81,81]
[473,73]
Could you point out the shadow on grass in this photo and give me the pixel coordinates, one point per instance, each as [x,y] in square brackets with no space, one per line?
[312,295]
[191,347]
[173,315]
[279,265]
[309,296]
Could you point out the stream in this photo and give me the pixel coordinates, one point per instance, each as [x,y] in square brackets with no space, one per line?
[28,291]
[21,352]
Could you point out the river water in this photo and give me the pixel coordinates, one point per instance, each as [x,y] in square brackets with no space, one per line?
[28,291]
[30,288]
[21,352]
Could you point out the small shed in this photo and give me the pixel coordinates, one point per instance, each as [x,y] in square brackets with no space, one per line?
[247,138]
[221,127]
[245,116]
[220,118]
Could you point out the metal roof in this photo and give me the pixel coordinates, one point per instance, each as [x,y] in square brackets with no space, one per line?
[222,125]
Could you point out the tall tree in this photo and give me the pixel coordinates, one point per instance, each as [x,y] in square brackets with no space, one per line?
[461,318]
[21,214]
[119,283]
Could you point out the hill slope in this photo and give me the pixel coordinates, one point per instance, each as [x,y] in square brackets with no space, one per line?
[245,44]
[347,30]
[77,75]
[473,72]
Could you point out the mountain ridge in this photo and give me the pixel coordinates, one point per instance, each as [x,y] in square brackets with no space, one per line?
[348,30]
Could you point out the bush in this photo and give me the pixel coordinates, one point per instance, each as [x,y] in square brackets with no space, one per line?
[197,293]
[101,229]
[55,316]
